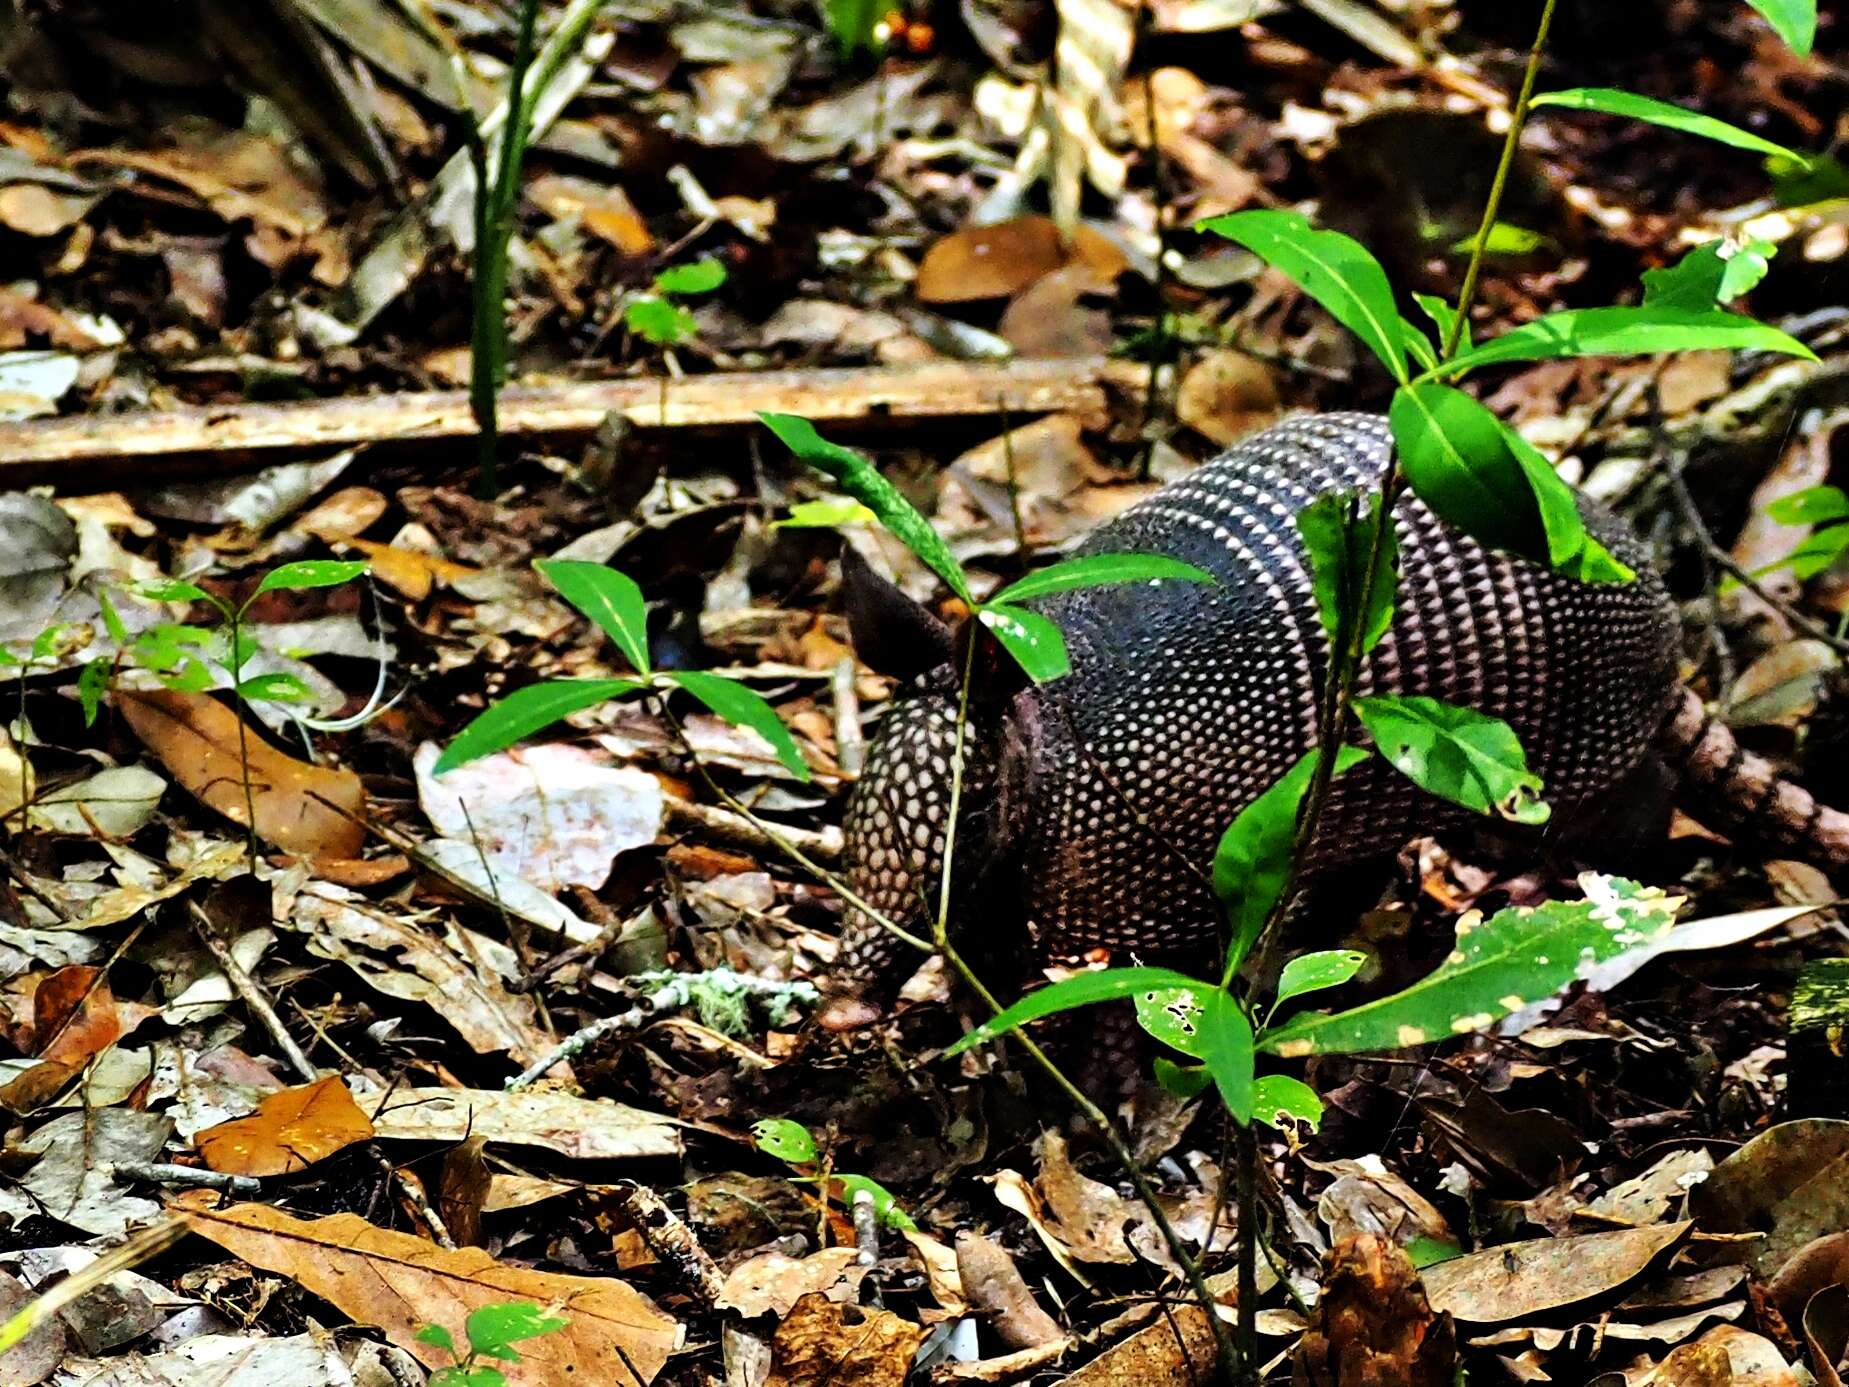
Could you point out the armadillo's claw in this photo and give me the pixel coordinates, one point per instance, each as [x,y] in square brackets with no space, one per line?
[847,1013]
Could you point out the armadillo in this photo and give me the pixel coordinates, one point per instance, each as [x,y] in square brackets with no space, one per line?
[1091,805]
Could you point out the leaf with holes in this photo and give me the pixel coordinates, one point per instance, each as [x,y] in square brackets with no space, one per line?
[1101,570]
[1335,270]
[607,597]
[743,707]
[1313,972]
[861,480]
[1500,965]
[1033,640]
[524,712]
[1281,1101]
[1252,862]
[1081,990]
[784,1139]
[1458,754]
[1338,529]
[1173,1016]
[1613,101]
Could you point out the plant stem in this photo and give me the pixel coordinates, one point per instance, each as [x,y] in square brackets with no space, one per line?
[1237,1363]
[237,700]
[494,218]
[1517,119]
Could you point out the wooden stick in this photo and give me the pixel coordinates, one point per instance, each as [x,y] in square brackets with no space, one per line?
[88,452]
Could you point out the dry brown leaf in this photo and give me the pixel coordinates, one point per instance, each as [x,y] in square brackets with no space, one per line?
[771,1283]
[823,1344]
[1227,395]
[1372,1323]
[290,1131]
[1518,1280]
[348,512]
[239,174]
[603,209]
[613,1334]
[74,1015]
[993,262]
[408,571]
[196,738]
[462,1190]
[585,1129]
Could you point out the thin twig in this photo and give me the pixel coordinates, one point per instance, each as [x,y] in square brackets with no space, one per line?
[166,1173]
[246,987]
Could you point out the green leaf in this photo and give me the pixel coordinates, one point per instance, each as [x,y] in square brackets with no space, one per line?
[478,1376]
[436,1334]
[658,321]
[1418,345]
[274,688]
[1795,21]
[1173,1016]
[523,713]
[701,277]
[1033,640]
[1516,958]
[1101,570]
[1228,1051]
[112,619]
[607,597]
[45,644]
[1335,270]
[1506,239]
[311,573]
[861,480]
[1798,184]
[1429,1252]
[855,25]
[1815,505]
[1455,753]
[743,707]
[1614,102]
[1339,533]
[1442,315]
[1816,552]
[786,1140]
[173,590]
[170,644]
[92,684]
[1252,862]
[1184,1081]
[1706,278]
[825,515]
[496,1326]
[1080,990]
[885,1207]
[1482,477]
[1280,1101]
[1621,331]
[192,677]
[1313,972]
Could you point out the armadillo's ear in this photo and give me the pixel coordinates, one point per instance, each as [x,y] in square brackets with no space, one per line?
[891,633]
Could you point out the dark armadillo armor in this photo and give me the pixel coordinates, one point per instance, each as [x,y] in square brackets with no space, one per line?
[1107,790]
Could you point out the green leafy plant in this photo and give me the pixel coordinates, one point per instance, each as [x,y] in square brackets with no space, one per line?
[795,1145]
[1826,510]
[660,317]
[492,1331]
[178,654]
[614,602]
[1034,641]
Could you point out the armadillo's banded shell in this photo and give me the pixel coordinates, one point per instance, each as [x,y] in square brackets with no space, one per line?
[1185,701]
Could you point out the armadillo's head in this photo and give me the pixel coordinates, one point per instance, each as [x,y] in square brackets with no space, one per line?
[899,814]
[894,855]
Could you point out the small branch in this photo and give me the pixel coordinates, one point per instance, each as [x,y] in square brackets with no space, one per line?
[166,1173]
[246,987]
[866,1229]
[850,741]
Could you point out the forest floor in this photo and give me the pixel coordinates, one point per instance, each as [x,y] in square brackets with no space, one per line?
[234,335]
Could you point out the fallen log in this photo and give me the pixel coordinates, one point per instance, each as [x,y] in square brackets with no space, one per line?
[91,452]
